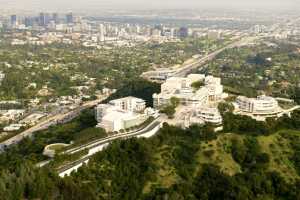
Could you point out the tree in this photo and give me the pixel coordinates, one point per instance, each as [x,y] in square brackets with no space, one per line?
[169,111]
[197,85]
[225,107]
[175,101]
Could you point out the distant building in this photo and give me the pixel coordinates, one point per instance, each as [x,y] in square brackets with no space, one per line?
[44,19]
[159,75]
[69,18]
[101,36]
[13,20]
[214,35]
[156,32]
[12,127]
[55,18]
[183,32]
[29,21]
[2,76]
[12,114]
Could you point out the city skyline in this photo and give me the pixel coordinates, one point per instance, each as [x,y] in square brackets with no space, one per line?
[84,5]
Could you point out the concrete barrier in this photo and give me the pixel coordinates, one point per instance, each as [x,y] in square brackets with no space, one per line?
[101,147]
[72,169]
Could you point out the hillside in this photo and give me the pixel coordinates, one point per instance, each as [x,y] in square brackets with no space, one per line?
[249,160]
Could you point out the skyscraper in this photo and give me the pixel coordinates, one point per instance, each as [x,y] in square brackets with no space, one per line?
[29,21]
[69,18]
[55,18]
[42,19]
[13,20]
[183,32]
[101,36]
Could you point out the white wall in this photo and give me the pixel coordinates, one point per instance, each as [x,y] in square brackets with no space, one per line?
[102,147]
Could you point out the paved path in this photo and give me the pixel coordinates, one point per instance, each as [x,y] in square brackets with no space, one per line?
[102,142]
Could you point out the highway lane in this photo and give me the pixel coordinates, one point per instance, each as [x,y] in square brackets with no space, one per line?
[52,120]
[183,71]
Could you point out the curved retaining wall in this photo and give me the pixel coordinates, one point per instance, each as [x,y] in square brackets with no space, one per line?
[99,148]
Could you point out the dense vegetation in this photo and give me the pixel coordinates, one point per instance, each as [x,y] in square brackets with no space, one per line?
[248,160]
[268,66]
[246,125]
[28,69]
[78,131]
[195,163]
[139,88]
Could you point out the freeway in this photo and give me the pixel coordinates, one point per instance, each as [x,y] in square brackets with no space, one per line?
[184,70]
[51,120]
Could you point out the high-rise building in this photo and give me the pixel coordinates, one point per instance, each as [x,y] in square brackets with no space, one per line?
[13,20]
[69,18]
[47,18]
[29,21]
[55,18]
[42,19]
[101,36]
[183,32]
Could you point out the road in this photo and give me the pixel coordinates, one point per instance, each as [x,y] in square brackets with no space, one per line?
[98,142]
[289,111]
[183,71]
[104,141]
[51,120]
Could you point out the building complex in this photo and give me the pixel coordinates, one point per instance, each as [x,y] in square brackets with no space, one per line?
[201,102]
[122,114]
[181,88]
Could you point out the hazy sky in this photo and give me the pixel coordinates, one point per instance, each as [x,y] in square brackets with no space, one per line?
[143,4]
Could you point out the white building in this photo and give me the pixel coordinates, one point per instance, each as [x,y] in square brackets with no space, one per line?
[196,77]
[159,75]
[209,114]
[175,83]
[260,106]
[12,114]
[214,87]
[12,127]
[182,89]
[121,114]
[101,36]
[200,105]
[117,120]
[2,76]
[129,104]
[214,34]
